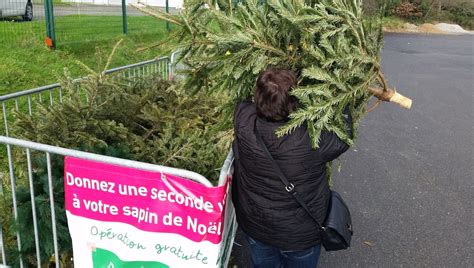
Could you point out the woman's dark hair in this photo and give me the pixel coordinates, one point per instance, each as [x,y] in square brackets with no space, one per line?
[272,95]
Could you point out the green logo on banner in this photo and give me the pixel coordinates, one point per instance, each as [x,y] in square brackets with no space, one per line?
[102,258]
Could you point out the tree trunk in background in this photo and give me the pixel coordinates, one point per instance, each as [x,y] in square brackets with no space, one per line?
[435,4]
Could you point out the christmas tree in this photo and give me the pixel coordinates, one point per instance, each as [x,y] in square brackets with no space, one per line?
[334,50]
[150,120]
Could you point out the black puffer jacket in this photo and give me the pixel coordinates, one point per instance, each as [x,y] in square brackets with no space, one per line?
[265,211]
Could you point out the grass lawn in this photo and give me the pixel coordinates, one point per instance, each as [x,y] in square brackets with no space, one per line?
[27,63]
[393,23]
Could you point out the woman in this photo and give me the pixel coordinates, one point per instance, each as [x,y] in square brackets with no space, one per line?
[280,233]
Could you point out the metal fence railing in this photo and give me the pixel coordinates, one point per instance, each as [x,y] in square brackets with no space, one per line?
[24,101]
[74,21]
[54,94]
[21,20]
[48,151]
[26,151]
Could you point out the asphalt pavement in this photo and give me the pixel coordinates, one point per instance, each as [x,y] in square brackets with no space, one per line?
[409,179]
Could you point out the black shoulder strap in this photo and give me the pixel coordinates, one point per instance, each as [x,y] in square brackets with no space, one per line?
[289,187]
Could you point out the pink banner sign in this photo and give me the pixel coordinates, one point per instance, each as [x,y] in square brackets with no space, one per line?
[149,201]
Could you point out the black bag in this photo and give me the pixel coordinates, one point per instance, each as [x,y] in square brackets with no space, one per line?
[336,233]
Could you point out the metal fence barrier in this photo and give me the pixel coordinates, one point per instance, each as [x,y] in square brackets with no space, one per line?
[54,94]
[74,21]
[16,20]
